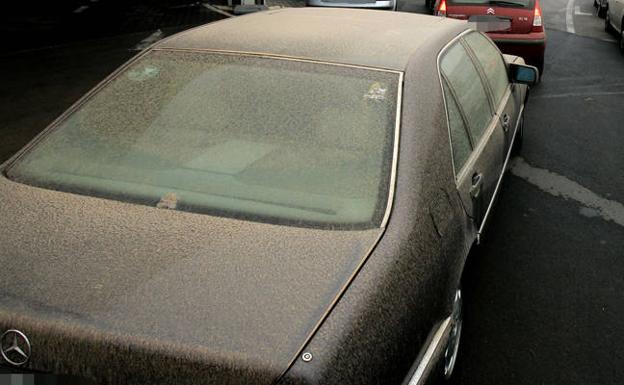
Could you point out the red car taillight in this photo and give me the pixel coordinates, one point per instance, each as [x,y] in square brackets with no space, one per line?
[442,8]
[538,26]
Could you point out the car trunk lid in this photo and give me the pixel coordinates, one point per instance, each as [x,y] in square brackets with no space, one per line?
[118,292]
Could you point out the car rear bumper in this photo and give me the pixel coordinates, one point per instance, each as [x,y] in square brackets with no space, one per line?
[355,4]
[530,46]
[532,38]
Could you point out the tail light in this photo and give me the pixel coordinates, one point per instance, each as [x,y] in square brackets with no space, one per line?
[442,8]
[538,26]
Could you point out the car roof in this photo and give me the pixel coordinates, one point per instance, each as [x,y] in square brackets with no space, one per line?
[382,39]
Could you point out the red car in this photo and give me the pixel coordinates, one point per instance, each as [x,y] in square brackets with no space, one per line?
[516,26]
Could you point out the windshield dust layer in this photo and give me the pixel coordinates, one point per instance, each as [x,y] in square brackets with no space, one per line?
[264,139]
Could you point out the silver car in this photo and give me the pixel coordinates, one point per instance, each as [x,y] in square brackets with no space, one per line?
[614,20]
[383,4]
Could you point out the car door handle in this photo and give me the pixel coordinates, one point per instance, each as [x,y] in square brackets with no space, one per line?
[505,122]
[477,185]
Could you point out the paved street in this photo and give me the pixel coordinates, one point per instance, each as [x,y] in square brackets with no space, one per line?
[37,24]
[544,295]
[48,66]
[576,17]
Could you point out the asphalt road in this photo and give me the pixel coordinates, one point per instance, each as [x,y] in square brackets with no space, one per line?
[35,24]
[544,295]
[576,17]
[55,53]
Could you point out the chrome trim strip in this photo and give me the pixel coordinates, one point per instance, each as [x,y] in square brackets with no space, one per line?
[426,360]
[520,42]
[395,153]
[500,177]
[274,56]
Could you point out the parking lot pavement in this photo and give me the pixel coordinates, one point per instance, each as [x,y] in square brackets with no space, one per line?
[544,295]
[48,66]
[36,23]
[38,85]
[575,16]
[415,6]
[285,3]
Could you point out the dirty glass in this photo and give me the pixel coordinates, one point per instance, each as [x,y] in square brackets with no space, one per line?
[460,142]
[462,76]
[492,63]
[278,141]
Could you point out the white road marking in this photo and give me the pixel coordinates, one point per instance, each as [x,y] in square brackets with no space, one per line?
[151,39]
[558,185]
[577,11]
[570,16]
[81,9]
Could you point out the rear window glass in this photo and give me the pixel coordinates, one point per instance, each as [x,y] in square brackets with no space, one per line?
[491,3]
[278,141]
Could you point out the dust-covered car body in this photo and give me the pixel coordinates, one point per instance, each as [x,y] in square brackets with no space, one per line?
[157,233]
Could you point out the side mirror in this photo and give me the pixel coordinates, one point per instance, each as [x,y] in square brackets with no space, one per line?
[524,74]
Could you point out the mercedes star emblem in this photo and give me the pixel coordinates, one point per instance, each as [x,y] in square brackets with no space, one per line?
[15,347]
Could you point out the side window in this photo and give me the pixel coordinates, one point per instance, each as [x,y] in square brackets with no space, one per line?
[462,77]
[492,63]
[460,142]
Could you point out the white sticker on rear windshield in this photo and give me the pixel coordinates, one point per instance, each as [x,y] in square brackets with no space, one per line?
[143,73]
[377,91]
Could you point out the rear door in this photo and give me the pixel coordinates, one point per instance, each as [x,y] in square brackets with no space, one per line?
[477,163]
[503,95]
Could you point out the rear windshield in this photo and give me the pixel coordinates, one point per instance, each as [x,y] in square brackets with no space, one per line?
[278,141]
[501,3]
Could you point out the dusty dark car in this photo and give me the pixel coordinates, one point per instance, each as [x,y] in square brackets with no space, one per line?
[269,199]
